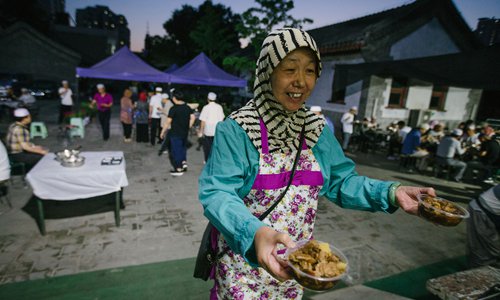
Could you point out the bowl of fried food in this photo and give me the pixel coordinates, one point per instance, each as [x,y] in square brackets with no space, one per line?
[316,265]
[440,211]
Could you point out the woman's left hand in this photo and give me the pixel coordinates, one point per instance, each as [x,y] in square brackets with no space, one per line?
[406,196]
[266,245]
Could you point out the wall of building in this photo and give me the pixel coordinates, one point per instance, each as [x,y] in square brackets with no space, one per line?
[429,40]
[322,93]
[460,103]
[39,58]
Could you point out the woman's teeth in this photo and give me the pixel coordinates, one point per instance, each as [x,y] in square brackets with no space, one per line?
[295,95]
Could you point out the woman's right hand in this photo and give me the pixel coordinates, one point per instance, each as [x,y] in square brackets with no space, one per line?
[266,247]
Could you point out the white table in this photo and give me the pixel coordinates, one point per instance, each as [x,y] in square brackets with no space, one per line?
[51,181]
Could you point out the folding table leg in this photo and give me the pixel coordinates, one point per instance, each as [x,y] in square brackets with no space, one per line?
[118,196]
[41,217]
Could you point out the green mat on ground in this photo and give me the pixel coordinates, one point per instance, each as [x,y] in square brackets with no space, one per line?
[411,283]
[174,280]
[164,280]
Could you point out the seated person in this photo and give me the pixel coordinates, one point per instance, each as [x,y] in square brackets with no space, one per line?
[483,227]
[18,141]
[412,148]
[489,154]
[446,151]
[27,98]
[471,138]
[412,141]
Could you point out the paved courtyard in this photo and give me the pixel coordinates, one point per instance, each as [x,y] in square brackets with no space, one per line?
[162,220]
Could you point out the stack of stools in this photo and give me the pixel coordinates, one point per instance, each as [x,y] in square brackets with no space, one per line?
[38,129]
[77,127]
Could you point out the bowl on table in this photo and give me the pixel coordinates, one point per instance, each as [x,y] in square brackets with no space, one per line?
[440,211]
[317,265]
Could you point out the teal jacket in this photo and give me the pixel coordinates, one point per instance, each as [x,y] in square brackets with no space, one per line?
[233,166]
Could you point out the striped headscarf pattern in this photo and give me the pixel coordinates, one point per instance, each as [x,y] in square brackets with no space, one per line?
[283,126]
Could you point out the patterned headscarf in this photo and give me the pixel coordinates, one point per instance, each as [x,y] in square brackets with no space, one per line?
[283,126]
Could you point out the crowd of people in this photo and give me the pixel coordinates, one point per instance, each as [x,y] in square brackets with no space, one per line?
[463,151]
[157,117]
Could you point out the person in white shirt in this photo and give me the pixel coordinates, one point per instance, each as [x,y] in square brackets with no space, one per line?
[347,121]
[4,163]
[155,109]
[211,114]
[66,106]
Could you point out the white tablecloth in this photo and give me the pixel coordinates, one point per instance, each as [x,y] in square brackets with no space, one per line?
[52,181]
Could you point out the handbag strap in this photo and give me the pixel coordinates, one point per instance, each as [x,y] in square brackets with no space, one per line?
[282,195]
[292,174]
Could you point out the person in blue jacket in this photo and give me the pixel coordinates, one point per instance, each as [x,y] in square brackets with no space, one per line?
[250,165]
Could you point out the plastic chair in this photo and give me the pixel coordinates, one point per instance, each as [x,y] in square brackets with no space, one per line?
[77,127]
[38,129]
[17,168]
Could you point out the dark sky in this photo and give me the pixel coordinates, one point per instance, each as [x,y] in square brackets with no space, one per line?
[140,13]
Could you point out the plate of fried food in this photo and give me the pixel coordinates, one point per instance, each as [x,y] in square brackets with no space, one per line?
[317,265]
[440,211]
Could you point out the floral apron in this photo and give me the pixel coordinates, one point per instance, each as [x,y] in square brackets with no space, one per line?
[295,215]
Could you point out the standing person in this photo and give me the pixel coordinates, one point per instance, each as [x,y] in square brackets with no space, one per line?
[126,107]
[104,101]
[210,115]
[483,229]
[18,141]
[252,155]
[155,107]
[167,105]
[347,121]
[66,106]
[180,120]
[319,112]
[142,118]
[446,151]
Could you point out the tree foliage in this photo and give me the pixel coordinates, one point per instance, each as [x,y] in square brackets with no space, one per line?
[256,23]
[269,15]
[209,28]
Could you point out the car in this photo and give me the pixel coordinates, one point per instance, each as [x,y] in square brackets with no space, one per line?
[43,89]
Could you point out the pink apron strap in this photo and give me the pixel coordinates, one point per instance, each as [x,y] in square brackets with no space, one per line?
[263,137]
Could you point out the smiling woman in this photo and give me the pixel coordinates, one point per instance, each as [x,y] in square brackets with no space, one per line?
[271,160]
[294,78]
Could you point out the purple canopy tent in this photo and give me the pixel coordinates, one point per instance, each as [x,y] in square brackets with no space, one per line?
[202,71]
[124,65]
[171,68]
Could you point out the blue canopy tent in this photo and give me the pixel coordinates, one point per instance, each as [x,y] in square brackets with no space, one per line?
[123,65]
[202,71]
[171,68]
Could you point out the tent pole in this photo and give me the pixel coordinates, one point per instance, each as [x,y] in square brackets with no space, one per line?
[77,90]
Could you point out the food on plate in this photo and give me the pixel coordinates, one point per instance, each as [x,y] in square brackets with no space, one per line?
[440,211]
[317,259]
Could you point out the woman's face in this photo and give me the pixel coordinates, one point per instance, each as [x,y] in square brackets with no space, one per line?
[294,78]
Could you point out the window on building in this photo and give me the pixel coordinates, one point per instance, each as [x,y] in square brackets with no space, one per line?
[399,91]
[338,96]
[438,97]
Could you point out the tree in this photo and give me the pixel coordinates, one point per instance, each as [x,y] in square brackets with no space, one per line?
[215,33]
[259,21]
[209,28]
[256,23]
